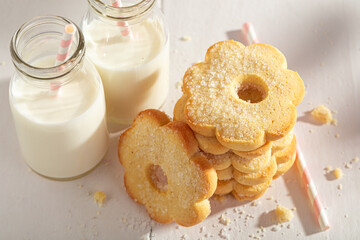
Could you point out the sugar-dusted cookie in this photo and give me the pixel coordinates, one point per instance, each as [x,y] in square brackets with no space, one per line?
[282,142]
[250,164]
[243,96]
[225,174]
[220,162]
[259,177]
[165,171]
[244,190]
[244,197]
[284,167]
[286,154]
[224,187]
[264,149]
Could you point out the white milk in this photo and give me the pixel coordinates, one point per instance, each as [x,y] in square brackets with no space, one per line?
[134,72]
[61,135]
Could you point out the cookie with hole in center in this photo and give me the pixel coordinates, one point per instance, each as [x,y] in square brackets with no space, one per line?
[224,187]
[225,174]
[284,167]
[243,96]
[259,177]
[164,169]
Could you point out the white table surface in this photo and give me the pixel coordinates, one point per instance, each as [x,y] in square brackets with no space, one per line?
[321,40]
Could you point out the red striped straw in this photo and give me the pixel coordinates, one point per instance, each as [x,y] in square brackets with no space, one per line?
[311,191]
[249,33]
[320,213]
[62,54]
[124,25]
[65,44]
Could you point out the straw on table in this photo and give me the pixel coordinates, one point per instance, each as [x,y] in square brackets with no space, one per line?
[311,191]
[249,33]
[124,25]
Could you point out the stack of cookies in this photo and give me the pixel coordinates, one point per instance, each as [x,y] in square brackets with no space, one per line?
[241,104]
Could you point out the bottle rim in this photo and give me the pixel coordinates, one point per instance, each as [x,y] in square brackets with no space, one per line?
[125,13]
[47,73]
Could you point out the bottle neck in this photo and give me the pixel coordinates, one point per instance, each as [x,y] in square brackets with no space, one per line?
[122,12]
[40,38]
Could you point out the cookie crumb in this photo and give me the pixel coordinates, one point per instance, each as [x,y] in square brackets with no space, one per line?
[310,130]
[100,198]
[346,216]
[348,165]
[275,229]
[283,214]
[186,38]
[355,160]
[338,173]
[80,186]
[270,198]
[339,187]
[322,114]
[334,122]
[337,135]
[224,221]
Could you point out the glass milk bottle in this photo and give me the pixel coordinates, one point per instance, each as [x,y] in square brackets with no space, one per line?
[129,45]
[58,110]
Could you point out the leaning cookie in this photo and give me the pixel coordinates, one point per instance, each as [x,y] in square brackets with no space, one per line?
[165,171]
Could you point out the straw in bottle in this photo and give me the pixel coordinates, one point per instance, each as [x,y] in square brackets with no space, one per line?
[62,54]
[65,44]
[126,32]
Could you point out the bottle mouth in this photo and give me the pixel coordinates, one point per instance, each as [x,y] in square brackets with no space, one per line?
[40,37]
[123,13]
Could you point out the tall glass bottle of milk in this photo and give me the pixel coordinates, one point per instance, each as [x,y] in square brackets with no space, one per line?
[129,45]
[58,110]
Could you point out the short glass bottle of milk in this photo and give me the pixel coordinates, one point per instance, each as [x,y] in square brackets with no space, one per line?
[129,45]
[59,110]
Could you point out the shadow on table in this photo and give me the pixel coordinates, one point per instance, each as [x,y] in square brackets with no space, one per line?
[237,35]
[228,202]
[301,202]
[307,118]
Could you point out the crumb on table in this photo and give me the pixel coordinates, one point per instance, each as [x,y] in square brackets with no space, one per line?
[100,198]
[283,214]
[338,173]
[322,114]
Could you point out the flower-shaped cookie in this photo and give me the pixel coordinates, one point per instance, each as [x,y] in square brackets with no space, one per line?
[165,171]
[245,96]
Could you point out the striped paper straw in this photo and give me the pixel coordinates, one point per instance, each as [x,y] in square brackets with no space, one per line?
[320,213]
[62,54]
[311,191]
[65,44]
[124,25]
[249,33]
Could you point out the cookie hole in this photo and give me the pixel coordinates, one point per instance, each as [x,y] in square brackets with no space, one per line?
[251,88]
[158,178]
[251,92]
